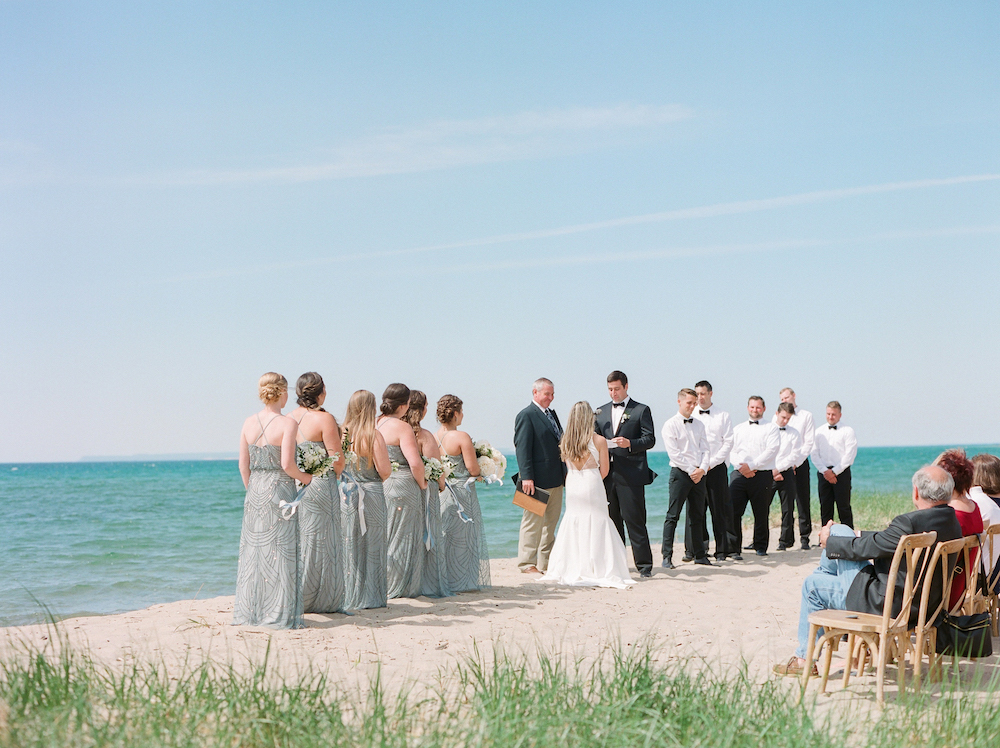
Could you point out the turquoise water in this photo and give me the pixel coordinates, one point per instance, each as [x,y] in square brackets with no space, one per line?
[92,538]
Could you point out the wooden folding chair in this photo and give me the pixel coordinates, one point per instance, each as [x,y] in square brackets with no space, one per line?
[943,562]
[969,562]
[991,541]
[883,633]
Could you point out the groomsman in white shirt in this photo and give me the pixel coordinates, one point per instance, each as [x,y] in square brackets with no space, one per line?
[687,446]
[719,432]
[802,421]
[755,445]
[833,454]
[790,454]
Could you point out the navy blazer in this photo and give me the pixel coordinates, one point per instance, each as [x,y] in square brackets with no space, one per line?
[636,426]
[867,592]
[537,448]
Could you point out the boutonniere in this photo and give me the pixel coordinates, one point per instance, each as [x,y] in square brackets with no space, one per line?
[597,412]
[626,416]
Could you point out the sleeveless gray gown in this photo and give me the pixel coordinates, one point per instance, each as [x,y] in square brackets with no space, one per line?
[268,576]
[364,554]
[467,559]
[404,503]
[319,544]
[434,582]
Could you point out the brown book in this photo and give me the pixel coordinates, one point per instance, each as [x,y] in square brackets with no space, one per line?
[535,504]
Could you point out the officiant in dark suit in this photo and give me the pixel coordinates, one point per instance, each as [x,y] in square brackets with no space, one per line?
[537,432]
[628,427]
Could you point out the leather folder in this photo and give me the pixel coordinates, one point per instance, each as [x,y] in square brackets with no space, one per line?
[535,504]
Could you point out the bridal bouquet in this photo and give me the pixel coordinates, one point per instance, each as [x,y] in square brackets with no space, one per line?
[434,468]
[313,459]
[492,464]
[350,456]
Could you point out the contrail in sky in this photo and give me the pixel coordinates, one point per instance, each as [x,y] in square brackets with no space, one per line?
[704,211]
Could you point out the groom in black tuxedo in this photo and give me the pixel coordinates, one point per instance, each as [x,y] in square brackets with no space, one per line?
[628,427]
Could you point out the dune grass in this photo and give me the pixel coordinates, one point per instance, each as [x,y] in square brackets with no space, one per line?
[872,510]
[62,698]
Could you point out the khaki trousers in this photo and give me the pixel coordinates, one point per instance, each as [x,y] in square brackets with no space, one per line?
[534,542]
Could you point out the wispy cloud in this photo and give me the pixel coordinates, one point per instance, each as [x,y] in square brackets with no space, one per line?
[704,211]
[445,144]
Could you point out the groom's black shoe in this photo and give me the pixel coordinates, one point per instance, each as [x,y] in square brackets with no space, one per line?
[687,557]
[703,561]
[668,564]
[646,573]
[737,557]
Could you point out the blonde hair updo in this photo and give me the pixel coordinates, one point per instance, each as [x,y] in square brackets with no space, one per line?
[270,387]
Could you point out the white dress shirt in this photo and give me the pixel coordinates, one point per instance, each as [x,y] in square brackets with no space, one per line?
[790,450]
[754,444]
[802,421]
[686,443]
[835,448]
[718,431]
[616,415]
[991,515]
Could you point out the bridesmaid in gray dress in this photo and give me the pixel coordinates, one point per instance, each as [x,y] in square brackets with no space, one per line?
[268,575]
[435,583]
[319,511]
[404,497]
[467,559]
[363,505]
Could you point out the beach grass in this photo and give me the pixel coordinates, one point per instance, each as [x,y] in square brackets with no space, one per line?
[873,510]
[627,698]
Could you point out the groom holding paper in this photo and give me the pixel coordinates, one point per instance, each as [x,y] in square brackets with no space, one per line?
[628,427]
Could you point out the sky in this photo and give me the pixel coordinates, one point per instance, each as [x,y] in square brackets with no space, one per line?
[466,196]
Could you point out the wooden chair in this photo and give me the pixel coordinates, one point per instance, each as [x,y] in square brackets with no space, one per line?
[882,634]
[943,561]
[973,601]
[991,541]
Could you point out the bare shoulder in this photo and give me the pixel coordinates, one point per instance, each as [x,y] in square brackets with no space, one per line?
[600,441]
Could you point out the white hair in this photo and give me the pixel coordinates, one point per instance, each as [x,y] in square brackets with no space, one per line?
[539,383]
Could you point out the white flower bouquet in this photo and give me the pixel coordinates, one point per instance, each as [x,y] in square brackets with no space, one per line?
[433,469]
[350,456]
[313,459]
[492,463]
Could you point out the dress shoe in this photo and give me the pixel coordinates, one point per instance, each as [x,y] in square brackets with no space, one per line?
[737,557]
[703,561]
[748,547]
[805,545]
[761,553]
[668,564]
[720,559]
[687,557]
[782,547]
[646,573]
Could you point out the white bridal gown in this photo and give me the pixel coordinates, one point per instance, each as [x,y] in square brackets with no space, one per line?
[588,551]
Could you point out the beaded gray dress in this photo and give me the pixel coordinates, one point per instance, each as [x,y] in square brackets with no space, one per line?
[319,544]
[364,542]
[435,578]
[467,559]
[268,575]
[404,503]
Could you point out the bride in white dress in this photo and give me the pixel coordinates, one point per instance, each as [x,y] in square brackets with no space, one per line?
[588,551]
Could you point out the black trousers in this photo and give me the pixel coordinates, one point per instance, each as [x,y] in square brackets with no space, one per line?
[717,487]
[627,508]
[757,492]
[838,493]
[803,498]
[788,493]
[684,490]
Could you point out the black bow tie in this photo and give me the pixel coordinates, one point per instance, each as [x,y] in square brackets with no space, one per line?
[755,423]
[833,427]
[618,405]
[781,428]
[688,420]
[703,413]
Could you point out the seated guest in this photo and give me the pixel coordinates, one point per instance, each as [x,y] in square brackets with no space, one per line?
[969,518]
[985,492]
[847,580]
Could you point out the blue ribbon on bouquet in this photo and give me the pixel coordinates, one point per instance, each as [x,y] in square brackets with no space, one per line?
[348,487]
[288,508]
[461,512]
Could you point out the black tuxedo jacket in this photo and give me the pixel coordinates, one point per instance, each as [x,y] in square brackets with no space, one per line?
[867,593]
[636,426]
[537,448]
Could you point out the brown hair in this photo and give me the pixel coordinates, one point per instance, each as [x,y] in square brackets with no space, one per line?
[448,407]
[413,415]
[756,397]
[986,473]
[835,405]
[359,425]
[687,391]
[308,388]
[270,387]
[958,466]
[395,396]
[786,408]
[618,376]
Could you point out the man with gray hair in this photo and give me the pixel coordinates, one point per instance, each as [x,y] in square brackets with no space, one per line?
[853,572]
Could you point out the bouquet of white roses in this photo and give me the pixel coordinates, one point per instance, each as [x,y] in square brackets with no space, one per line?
[492,463]
[433,469]
[313,459]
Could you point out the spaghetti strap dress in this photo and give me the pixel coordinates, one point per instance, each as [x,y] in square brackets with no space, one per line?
[363,514]
[467,559]
[404,504]
[319,544]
